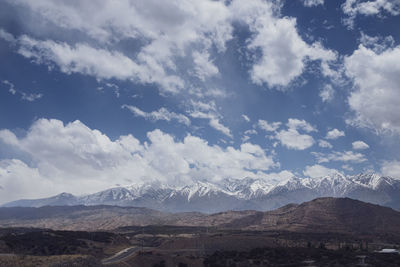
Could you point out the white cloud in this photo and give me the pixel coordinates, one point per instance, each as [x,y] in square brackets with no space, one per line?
[324,144]
[334,134]
[204,68]
[245,138]
[100,63]
[6,36]
[378,44]
[283,51]
[316,171]
[268,127]
[161,114]
[202,110]
[297,124]
[251,131]
[245,117]
[347,167]
[352,8]
[168,25]
[279,176]
[346,156]
[112,86]
[167,31]
[292,138]
[375,99]
[247,134]
[207,92]
[372,7]
[17,180]
[311,3]
[24,96]
[391,168]
[77,159]
[31,97]
[8,137]
[359,145]
[327,93]
[168,34]
[11,87]
[217,125]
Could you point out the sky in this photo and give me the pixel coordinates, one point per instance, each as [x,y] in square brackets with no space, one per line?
[97,94]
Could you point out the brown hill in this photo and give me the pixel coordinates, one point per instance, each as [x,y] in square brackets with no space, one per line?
[325,215]
[85,218]
[320,215]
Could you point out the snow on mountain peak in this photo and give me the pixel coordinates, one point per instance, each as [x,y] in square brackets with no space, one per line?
[200,188]
[231,194]
[372,180]
[248,188]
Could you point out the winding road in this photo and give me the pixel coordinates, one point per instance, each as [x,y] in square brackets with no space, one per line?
[120,256]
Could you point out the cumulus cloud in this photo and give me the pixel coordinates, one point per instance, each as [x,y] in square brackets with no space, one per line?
[297,124]
[251,131]
[359,145]
[172,24]
[161,114]
[375,99]
[346,156]
[327,93]
[378,44]
[167,31]
[353,8]
[316,171]
[175,38]
[18,179]
[324,144]
[334,134]
[268,127]
[292,138]
[283,52]
[204,68]
[311,3]
[391,168]
[77,159]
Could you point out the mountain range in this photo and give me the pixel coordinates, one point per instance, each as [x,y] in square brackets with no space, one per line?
[234,194]
[322,215]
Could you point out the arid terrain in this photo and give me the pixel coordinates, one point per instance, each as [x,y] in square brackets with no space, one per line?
[324,215]
[322,232]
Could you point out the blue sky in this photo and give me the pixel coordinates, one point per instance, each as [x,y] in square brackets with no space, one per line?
[98,94]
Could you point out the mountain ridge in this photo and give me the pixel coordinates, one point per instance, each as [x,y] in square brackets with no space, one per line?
[235,194]
[321,215]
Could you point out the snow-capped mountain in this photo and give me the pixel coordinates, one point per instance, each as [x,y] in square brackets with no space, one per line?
[236,194]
